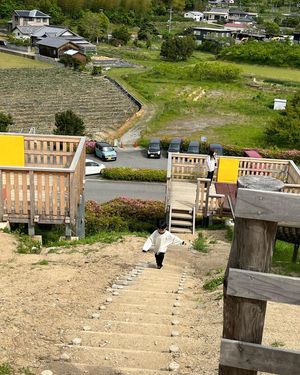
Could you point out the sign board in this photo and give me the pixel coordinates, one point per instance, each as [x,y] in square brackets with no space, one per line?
[228,170]
[12,150]
[279,104]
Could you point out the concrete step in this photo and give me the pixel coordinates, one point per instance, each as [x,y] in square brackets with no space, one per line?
[178,215]
[113,326]
[122,370]
[181,230]
[113,340]
[162,308]
[119,358]
[181,223]
[134,317]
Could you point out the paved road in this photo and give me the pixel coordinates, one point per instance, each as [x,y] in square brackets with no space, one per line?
[134,158]
[103,190]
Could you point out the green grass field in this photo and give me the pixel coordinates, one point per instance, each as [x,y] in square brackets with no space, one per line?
[8,61]
[230,113]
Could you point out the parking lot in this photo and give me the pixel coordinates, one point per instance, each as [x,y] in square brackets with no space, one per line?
[133,158]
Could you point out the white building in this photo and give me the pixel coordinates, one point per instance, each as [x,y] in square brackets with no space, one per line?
[196,16]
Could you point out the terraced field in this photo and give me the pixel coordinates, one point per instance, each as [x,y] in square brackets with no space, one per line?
[33,96]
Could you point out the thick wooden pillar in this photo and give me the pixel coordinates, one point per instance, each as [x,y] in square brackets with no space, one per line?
[252,249]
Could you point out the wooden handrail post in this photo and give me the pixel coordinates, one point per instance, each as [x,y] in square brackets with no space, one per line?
[251,249]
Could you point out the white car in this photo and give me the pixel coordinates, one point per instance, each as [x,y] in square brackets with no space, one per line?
[92,167]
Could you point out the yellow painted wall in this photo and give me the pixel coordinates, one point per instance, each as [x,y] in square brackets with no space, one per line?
[12,150]
[228,170]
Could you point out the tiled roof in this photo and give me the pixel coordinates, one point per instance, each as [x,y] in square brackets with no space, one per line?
[31,13]
[28,30]
[53,42]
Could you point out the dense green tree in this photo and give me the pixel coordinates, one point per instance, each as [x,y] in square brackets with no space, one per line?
[121,35]
[177,48]
[93,26]
[68,123]
[285,130]
[6,8]
[5,121]
[272,28]
[146,31]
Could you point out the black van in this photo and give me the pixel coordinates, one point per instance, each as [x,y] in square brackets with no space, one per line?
[217,148]
[175,145]
[154,148]
[193,148]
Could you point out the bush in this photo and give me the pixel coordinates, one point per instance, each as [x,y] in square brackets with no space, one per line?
[267,53]
[177,48]
[129,174]
[123,214]
[213,71]
[97,71]
[28,246]
[90,147]
[121,35]
[5,121]
[285,129]
[68,123]
[200,244]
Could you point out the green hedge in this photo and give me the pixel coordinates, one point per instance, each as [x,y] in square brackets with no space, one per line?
[123,214]
[267,53]
[129,174]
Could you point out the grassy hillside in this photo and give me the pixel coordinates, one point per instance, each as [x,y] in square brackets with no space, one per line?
[8,61]
[233,113]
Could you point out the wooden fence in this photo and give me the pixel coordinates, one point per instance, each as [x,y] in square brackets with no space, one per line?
[190,167]
[48,189]
[248,285]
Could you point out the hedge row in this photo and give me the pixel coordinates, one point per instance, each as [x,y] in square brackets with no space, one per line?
[122,214]
[129,174]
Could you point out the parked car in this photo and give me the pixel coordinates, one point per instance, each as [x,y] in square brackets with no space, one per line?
[217,148]
[92,167]
[3,43]
[105,151]
[154,148]
[175,145]
[194,148]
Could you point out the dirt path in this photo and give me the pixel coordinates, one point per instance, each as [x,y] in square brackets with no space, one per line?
[43,308]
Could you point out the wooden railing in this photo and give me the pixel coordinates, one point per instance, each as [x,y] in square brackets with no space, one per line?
[206,203]
[48,188]
[190,167]
[248,285]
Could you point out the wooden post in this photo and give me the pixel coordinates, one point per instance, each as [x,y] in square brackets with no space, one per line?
[295,253]
[251,249]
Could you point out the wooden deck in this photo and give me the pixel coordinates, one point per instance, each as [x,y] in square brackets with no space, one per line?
[183,194]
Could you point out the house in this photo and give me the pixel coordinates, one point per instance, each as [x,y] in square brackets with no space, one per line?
[24,32]
[28,18]
[55,47]
[76,55]
[196,16]
[216,14]
[297,37]
[235,26]
[52,32]
[202,33]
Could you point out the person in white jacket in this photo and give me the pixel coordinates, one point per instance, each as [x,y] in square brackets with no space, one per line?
[159,240]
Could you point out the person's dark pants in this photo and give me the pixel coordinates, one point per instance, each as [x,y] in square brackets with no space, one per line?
[210,175]
[159,259]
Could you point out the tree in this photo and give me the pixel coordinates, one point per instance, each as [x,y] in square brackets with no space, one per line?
[177,48]
[285,130]
[146,31]
[93,25]
[68,123]
[121,35]
[272,28]
[5,121]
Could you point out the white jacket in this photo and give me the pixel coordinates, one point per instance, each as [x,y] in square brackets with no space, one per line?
[160,242]
[210,163]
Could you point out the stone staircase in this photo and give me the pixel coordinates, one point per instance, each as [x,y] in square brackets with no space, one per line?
[138,327]
[181,221]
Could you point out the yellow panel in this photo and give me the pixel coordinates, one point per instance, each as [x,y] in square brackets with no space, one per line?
[228,170]
[12,150]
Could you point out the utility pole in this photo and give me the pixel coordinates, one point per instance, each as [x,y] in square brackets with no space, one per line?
[170,19]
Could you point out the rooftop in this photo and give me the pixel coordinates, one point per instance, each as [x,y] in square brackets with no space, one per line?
[31,13]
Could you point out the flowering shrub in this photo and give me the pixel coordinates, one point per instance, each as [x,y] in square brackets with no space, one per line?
[123,214]
[90,146]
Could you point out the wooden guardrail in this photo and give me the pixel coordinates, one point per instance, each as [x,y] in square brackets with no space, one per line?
[248,286]
[49,187]
[190,167]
